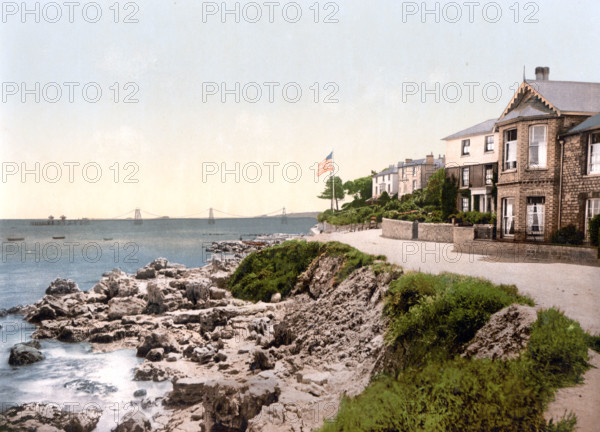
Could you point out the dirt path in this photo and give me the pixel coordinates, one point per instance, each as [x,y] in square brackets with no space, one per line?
[573,289]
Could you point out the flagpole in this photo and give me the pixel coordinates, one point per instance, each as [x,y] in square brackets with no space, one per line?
[332,180]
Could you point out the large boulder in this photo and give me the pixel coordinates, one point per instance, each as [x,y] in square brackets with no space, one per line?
[134,422]
[119,307]
[146,273]
[48,417]
[25,353]
[61,286]
[158,339]
[198,290]
[505,335]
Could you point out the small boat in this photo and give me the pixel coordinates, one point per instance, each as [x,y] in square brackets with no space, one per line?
[15,239]
[58,237]
[107,238]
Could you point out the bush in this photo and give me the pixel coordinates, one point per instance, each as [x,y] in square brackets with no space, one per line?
[473,217]
[594,230]
[432,317]
[459,395]
[568,235]
[276,269]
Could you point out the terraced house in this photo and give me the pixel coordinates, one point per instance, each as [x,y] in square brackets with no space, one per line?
[548,159]
[472,159]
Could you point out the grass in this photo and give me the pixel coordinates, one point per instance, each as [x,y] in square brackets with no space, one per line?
[434,389]
[276,269]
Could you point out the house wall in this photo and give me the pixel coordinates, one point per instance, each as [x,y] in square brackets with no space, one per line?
[578,186]
[386,179]
[478,155]
[523,181]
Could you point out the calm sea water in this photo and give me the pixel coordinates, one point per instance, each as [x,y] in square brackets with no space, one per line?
[87,251]
[71,376]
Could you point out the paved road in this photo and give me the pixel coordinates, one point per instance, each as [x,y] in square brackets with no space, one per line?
[574,289]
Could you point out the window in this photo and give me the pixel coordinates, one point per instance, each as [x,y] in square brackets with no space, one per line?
[414,171]
[535,215]
[466,147]
[594,154]
[465,177]
[537,146]
[489,175]
[465,204]
[389,188]
[414,185]
[508,219]
[403,173]
[592,208]
[489,143]
[510,150]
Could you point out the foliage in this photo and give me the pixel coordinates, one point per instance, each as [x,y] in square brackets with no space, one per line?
[593,342]
[432,317]
[448,197]
[328,193]
[568,235]
[594,230]
[566,424]
[276,269]
[435,187]
[473,217]
[361,188]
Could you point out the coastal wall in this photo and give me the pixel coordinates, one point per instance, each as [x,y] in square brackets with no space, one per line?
[326,228]
[399,230]
[409,230]
[436,232]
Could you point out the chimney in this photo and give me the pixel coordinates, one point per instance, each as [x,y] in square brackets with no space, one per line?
[407,160]
[542,73]
[429,159]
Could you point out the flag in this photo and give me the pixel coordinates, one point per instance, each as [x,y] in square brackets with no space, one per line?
[325,165]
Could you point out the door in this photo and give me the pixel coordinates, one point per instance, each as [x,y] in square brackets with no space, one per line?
[508,219]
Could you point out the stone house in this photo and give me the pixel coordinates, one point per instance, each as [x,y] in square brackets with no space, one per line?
[472,159]
[580,186]
[532,157]
[414,174]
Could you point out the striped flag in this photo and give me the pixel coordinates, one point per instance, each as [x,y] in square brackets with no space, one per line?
[325,165]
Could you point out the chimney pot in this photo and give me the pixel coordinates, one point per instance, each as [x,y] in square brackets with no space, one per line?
[429,159]
[408,160]
[542,73]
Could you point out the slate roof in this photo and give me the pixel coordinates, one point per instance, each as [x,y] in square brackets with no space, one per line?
[481,128]
[569,96]
[591,123]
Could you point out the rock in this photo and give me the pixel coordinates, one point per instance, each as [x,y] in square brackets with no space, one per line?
[152,372]
[201,355]
[156,297]
[155,354]
[318,276]
[72,334]
[140,393]
[62,286]
[24,354]
[220,278]
[319,378]
[217,293]
[261,360]
[505,335]
[276,298]
[158,339]
[134,422]
[146,273]
[158,264]
[118,307]
[197,290]
[48,418]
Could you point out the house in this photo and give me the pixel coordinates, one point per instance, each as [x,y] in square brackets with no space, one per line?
[414,174]
[472,159]
[534,158]
[580,187]
[386,181]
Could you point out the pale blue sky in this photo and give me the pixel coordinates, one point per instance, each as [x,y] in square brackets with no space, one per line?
[170,132]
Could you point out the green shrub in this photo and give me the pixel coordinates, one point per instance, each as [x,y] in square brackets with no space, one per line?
[276,269]
[432,317]
[593,342]
[460,395]
[566,424]
[594,230]
[568,235]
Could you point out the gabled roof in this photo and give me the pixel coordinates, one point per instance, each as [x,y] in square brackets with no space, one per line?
[558,97]
[590,123]
[480,128]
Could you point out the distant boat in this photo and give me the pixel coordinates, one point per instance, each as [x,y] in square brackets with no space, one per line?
[58,237]
[15,239]
[107,238]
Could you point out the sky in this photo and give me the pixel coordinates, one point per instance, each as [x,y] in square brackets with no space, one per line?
[100,117]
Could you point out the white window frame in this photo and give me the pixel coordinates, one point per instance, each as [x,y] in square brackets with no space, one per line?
[489,141]
[536,210]
[510,151]
[592,208]
[465,145]
[508,220]
[594,153]
[414,171]
[489,179]
[414,185]
[540,147]
[468,177]
[465,204]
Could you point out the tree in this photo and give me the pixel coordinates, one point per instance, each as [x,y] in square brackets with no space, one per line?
[360,188]
[448,196]
[435,186]
[339,190]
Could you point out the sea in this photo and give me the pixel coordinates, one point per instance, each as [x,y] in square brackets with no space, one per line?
[72,376]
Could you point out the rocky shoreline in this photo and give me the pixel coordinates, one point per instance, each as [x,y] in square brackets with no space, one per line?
[234,365]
